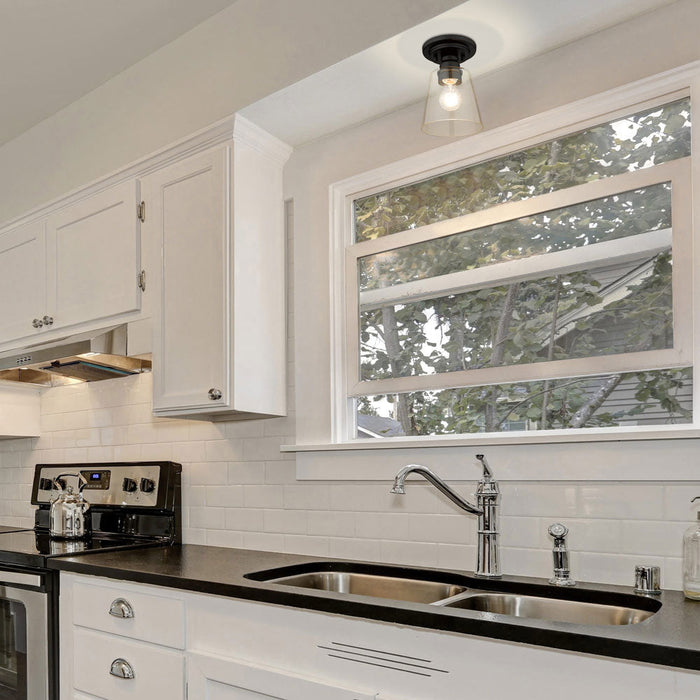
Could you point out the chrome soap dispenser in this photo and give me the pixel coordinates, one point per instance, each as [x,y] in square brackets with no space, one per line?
[691,559]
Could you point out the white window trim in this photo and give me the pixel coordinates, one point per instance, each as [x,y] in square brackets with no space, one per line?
[543,127]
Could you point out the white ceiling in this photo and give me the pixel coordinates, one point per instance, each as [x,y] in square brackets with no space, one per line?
[54,51]
[394,73]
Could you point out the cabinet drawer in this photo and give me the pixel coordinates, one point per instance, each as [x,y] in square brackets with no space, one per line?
[155,618]
[158,672]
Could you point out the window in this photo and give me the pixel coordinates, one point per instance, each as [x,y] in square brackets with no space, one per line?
[543,289]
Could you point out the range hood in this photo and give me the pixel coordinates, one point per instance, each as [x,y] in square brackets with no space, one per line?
[87,357]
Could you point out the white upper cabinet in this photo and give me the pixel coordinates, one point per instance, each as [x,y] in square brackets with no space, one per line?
[220,323]
[187,211]
[22,281]
[94,248]
[75,269]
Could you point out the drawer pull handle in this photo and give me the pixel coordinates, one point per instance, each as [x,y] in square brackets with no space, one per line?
[121,608]
[121,668]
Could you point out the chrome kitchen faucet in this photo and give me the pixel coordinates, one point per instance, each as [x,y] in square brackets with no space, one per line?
[488,495]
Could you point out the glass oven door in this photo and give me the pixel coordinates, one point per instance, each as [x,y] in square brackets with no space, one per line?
[24,673]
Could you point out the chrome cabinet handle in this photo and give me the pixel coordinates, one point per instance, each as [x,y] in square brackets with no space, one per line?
[121,608]
[48,320]
[37,323]
[121,668]
[215,394]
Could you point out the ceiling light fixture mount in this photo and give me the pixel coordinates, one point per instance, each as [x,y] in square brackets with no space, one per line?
[451,108]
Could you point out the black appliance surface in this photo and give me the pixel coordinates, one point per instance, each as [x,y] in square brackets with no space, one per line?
[9,528]
[29,548]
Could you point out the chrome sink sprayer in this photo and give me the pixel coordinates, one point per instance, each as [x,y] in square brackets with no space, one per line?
[488,495]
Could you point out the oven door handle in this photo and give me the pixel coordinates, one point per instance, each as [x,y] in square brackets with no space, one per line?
[9,578]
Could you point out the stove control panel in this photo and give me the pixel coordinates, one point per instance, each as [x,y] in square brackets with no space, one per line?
[118,485]
[98,479]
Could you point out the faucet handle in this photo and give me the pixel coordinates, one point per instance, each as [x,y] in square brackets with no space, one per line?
[558,530]
[488,474]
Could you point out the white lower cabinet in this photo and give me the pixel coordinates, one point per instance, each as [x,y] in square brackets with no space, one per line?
[157,672]
[239,650]
[222,678]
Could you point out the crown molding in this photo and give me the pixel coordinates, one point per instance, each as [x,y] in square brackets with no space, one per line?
[223,131]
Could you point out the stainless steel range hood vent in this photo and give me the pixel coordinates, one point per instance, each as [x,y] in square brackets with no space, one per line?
[87,357]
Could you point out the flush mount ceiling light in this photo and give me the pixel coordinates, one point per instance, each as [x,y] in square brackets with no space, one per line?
[451,108]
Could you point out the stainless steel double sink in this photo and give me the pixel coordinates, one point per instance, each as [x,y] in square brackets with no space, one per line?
[342,580]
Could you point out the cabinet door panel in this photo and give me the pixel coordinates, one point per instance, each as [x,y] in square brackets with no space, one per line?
[188,202]
[95,249]
[219,678]
[22,281]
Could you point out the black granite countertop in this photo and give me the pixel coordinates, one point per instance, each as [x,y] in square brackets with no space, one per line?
[670,637]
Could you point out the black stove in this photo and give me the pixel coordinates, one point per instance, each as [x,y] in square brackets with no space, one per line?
[30,548]
[132,504]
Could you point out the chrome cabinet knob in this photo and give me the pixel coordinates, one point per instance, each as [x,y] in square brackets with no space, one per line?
[121,608]
[215,394]
[37,323]
[48,320]
[121,668]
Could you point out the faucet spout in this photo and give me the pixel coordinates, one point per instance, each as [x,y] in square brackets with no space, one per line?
[437,482]
[488,496]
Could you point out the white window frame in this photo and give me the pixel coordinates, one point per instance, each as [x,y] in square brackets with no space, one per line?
[559,122]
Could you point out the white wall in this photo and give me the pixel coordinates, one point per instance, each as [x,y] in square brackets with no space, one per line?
[241,491]
[245,52]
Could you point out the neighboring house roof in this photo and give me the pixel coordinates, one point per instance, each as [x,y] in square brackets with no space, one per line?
[378,426]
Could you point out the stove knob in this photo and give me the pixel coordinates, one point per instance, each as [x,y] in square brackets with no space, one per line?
[129,485]
[45,484]
[148,485]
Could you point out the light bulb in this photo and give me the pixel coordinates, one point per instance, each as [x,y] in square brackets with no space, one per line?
[450,99]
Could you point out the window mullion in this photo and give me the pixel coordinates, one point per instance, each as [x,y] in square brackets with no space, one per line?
[596,189]
[620,250]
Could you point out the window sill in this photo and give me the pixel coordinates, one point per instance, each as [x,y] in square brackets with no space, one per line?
[608,455]
[512,438]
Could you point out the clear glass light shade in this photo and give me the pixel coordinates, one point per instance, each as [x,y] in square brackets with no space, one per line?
[451,110]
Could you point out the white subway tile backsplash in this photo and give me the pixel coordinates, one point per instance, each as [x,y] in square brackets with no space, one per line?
[246,473]
[263,496]
[413,553]
[393,526]
[286,521]
[266,541]
[248,519]
[677,502]
[224,538]
[332,523]
[351,548]
[650,537]
[207,518]
[450,529]
[588,535]
[455,556]
[308,497]
[544,500]
[621,501]
[303,544]
[221,496]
